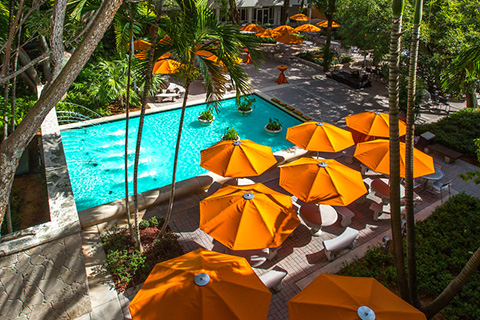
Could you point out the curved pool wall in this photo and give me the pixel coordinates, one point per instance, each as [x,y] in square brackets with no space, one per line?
[95,153]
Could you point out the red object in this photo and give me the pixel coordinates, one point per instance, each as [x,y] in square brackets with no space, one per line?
[281,78]
[248,59]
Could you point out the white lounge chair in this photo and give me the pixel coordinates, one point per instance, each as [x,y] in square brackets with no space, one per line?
[175,88]
[343,241]
[162,96]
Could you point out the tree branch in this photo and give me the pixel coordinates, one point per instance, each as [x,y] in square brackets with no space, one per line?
[38,59]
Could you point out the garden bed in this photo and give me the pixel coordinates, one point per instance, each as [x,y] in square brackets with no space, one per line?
[130,267]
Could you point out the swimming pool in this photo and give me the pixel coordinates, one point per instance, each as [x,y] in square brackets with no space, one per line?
[95,154]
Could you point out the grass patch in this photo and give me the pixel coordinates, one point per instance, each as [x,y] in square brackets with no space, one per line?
[456,131]
[445,242]
[130,267]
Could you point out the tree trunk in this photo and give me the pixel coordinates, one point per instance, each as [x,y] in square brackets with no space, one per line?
[286,8]
[47,72]
[395,151]
[409,206]
[175,161]
[327,54]
[12,148]
[454,286]
[56,36]
[31,73]
[471,99]
[127,120]
[234,14]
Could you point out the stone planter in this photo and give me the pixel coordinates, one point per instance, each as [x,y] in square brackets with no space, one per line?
[272,132]
[205,122]
[245,113]
[236,139]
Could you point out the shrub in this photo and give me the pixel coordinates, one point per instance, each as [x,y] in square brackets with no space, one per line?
[456,131]
[144,224]
[207,114]
[274,124]
[230,134]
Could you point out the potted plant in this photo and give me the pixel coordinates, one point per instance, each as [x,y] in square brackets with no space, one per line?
[245,107]
[273,126]
[206,117]
[230,134]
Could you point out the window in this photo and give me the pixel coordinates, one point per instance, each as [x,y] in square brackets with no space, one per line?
[243,14]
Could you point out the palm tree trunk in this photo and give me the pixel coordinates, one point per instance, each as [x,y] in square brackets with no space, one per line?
[409,206]
[327,54]
[471,99]
[454,286]
[395,149]
[234,16]
[286,8]
[127,120]
[175,161]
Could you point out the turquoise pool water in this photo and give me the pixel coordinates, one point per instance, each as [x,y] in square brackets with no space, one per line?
[95,154]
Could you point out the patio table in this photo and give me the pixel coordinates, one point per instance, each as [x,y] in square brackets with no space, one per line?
[281,78]
[318,216]
[382,189]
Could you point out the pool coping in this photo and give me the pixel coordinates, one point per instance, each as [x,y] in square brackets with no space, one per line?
[116,209]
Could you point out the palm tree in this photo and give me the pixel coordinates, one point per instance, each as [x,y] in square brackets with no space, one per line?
[328,8]
[398,6]
[194,27]
[409,209]
[286,7]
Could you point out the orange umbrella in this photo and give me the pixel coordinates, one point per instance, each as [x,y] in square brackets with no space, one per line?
[268,33]
[289,38]
[320,137]
[307,28]
[248,217]
[202,285]
[373,124]
[166,66]
[284,29]
[376,155]
[242,158]
[332,297]
[323,181]
[300,17]
[324,24]
[252,28]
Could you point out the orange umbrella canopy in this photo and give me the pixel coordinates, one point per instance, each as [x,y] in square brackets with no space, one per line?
[166,66]
[332,297]
[375,154]
[284,29]
[242,158]
[320,136]
[252,28]
[248,217]
[373,124]
[289,38]
[300,17]
[323,181]
[202,285]
[325,24]
[307,28]
[268,33]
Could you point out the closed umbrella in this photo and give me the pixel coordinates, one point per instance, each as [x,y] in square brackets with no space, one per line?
[201,285]
[320,137]
[324,24]
[300,17]
[268,33]
[242,158]
[323,181]
[376,155]
[374,124]
[248,217]
[289,38]
[332,297]
[307,28]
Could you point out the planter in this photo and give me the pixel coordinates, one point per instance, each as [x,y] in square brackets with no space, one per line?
[272,132]
[236,139]
[244,113]
[205,122]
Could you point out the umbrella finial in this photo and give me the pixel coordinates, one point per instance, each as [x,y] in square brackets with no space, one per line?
[237,143]
[201,279]
[322,164]
[377,113]
[248,196]
[365,313]
[319,123]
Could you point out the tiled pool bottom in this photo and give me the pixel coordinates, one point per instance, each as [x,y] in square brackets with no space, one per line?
[95,154]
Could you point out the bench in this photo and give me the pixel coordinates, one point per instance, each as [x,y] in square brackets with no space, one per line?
[449,155]
[345,240]
[346,214]
[273,279]
[379,208]
[162,96]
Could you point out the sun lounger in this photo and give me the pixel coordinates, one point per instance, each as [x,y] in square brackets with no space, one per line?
[175,88]
[162,96]
[343,241]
